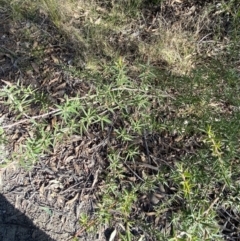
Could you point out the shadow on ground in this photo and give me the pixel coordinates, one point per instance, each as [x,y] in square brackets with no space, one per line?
[16,226]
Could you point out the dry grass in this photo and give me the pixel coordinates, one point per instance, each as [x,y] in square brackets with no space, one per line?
[108,30]
[174,49]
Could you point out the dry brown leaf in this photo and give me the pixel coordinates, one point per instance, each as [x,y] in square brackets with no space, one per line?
[55,59]
[95,178]
[35,67]
[7,82]
[54,121]
[53,80]
[68,159]
[151,213]
[72,200]
[61,92]
[74,138]
[61,86]
[54,184]
[42,190]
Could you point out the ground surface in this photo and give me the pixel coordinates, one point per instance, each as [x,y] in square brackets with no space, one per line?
[48,199]
[34,193]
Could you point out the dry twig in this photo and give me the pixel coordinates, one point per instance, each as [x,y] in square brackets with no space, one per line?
[31,118]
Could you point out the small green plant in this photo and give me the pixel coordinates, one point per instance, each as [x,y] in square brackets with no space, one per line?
[216,148]
[186,182]
[215,144]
